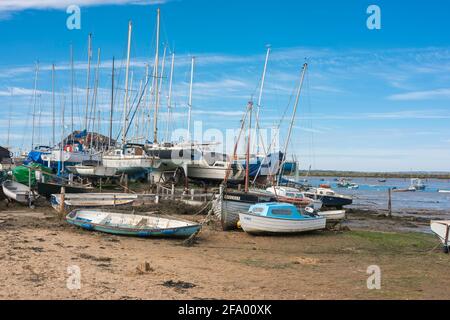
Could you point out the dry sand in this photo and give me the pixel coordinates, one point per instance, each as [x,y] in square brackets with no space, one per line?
[37,248]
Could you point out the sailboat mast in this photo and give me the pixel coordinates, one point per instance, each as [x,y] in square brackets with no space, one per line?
[34,104]
[71,91]
[125,107]
[53,105]
[190,100]
[169,98]
[61,150]
[155,119]
[247,154]
[94,102]
[112,104]
[263,79]
[305,66]
[9,119]
[88,79]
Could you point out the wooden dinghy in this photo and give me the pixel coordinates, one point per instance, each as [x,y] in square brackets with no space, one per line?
[131,225]
[442,230]
[92,200]
[17,192]
[279,218]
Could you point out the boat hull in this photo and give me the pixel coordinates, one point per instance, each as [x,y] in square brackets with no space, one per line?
[145,232]
[47,189]
[16,191]
[254,224]
[442,230]
[331,201]
[228,206]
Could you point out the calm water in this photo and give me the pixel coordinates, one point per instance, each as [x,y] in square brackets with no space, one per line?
[374,194]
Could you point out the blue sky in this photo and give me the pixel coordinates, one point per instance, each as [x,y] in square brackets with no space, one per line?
[372,100]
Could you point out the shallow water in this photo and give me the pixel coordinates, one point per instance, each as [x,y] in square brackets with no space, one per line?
[373,194]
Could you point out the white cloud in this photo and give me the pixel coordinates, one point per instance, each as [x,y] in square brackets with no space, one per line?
[19,5]
[421,95]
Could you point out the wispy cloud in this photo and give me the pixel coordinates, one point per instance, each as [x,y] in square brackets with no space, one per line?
[421,95]
[20,5]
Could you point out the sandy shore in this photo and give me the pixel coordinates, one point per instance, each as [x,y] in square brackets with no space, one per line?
[37,248]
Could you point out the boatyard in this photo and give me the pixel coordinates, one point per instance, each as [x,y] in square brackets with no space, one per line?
[131,182]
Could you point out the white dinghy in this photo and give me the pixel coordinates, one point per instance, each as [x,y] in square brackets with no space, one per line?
[18,192]
[442,230]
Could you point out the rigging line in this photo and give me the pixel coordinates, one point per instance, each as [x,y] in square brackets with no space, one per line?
[141,94]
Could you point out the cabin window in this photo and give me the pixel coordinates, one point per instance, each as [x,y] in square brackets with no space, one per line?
[290,195]
[281,212]
[299,196]
[258,210]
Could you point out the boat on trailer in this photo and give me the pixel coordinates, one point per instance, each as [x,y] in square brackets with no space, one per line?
[442,229]
[17,192]
[279,218]
[132,225]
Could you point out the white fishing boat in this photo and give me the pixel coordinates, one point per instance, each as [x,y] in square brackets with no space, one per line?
[442,230]
[130,159]
[132,225]
[18,192]
[215,167]
[278,218]
[92,200]
[417,184]
[444,191]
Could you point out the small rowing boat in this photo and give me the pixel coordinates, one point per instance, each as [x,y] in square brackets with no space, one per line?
[442,230]
[132,225]
[279,218]
[17,192]
[92,200]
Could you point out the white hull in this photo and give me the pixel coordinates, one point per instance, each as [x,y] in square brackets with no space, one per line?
[442,230]
[70,157]
[258,224]
[126,164]
[444,191]
[91,171]
[16,191]
[333,216]
[92,200]
[213,173]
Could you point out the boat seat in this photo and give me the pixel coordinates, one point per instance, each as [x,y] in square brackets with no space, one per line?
[142,223]
[106,220]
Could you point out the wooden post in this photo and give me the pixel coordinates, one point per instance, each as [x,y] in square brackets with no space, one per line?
[101,185]
[62,204]
[390,203]
[192,194]
[30,192]
[173,191]
[126,183]
[114,200]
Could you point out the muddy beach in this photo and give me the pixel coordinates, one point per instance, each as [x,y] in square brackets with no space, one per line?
[38,248]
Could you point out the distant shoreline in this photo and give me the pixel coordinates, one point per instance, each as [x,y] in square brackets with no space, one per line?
[357,174]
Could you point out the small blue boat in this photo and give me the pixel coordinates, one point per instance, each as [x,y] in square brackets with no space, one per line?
[131,225]
[279,218]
